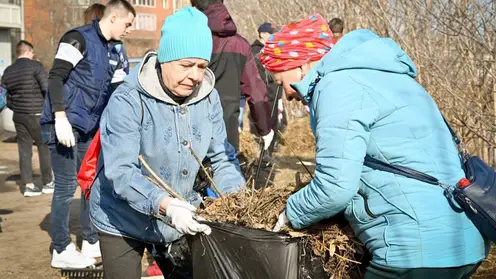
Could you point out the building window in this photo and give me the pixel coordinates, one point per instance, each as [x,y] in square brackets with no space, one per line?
[165,4]
[144,3]
[80,2]
[52,14]
[146,22]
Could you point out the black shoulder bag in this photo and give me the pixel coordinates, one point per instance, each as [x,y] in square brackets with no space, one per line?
[477,196]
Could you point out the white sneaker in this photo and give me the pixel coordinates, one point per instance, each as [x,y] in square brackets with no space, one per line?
[70,258]
[91,250]
[31,191]
[48,188]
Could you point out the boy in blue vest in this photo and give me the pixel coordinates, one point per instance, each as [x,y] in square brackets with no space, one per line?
[79,88]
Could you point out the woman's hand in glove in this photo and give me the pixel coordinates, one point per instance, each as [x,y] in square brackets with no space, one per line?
[181,214]
[282,221]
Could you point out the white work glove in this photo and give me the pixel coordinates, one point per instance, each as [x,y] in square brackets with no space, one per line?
[267,139]
[181,214]
[281,222]
[280,110]
[63,130]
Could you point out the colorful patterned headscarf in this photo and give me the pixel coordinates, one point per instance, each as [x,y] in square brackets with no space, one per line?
[296,44]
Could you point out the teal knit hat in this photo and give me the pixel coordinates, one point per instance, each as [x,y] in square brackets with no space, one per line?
[185,34]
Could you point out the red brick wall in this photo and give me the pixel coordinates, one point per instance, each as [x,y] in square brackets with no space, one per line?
[40,30]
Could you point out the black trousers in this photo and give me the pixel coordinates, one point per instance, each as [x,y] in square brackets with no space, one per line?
[461,272]
[28,130]
[122,258]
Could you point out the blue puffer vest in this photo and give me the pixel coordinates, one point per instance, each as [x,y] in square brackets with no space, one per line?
[86,90]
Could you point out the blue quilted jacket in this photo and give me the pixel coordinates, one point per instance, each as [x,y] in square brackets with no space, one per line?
[364,99]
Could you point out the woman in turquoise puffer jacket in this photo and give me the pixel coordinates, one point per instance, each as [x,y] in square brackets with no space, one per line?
[364,100]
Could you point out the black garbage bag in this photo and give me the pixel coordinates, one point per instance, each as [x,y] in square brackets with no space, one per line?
[234,252]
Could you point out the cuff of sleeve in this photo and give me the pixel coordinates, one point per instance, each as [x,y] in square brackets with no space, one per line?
[293,218]
[261,117]
[156,202]
[266,133]
[58,107]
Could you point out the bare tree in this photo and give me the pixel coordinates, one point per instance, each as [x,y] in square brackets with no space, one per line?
[451,42]
[54,19]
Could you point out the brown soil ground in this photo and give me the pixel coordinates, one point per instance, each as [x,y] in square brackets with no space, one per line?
[25,251]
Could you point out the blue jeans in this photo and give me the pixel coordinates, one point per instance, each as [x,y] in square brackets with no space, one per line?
[65,163]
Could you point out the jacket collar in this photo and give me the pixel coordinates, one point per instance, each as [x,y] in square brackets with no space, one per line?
[95,23]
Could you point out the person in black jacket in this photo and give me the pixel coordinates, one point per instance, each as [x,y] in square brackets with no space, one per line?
[26,83]
[274,92]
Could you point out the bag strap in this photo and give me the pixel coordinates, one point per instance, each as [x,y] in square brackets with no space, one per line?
[411,173]
[404,171]
[455,137]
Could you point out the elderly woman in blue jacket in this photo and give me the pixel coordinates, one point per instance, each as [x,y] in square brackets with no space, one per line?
[364,100]
[166,106]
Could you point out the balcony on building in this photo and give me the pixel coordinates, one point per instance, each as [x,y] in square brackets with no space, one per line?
[11,14]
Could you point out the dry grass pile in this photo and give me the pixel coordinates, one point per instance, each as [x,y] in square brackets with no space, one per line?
[298,136]
[247,145]
[333,242]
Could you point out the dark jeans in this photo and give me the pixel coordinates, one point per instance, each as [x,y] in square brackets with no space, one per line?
[66,162]
[379,272]
[122,258]
[28,130]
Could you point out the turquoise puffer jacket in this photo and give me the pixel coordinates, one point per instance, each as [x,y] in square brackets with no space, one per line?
[364,99]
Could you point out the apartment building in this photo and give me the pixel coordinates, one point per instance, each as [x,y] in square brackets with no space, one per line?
[10,31]
[149,19]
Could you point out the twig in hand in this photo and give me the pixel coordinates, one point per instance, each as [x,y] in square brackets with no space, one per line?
[294,152]
[154,182]
[165,186]
[219,194]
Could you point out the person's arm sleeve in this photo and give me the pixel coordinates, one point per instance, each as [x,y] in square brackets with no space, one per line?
[70,51]
[120,139]
[342,133]
[223,158]
[256,95]
[125,66]
[121,71]
[261,70]
[42,78]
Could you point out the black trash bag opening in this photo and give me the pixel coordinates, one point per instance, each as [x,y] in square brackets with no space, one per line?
[235,252]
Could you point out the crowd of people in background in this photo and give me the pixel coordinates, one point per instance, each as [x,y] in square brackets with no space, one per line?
[187,99]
